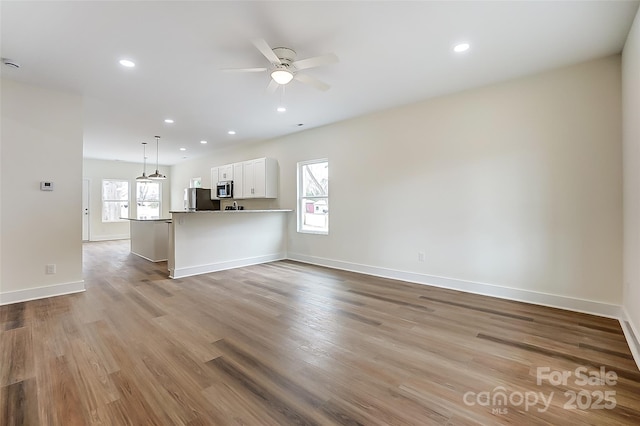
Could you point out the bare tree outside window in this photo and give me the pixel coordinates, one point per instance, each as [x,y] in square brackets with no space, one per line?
[115,200]
[148,200]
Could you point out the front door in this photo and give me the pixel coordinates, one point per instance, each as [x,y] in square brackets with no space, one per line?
[85,209]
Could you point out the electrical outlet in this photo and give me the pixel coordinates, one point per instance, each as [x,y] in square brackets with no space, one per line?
[51,268]
[420,256]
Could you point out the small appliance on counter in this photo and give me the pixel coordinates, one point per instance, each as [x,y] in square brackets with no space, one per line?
[224,189]
[199,199]
[235,206]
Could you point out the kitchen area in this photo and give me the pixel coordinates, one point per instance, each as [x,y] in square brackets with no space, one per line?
[214,231]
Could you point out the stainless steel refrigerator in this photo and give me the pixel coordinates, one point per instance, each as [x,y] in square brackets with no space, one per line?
[199,199]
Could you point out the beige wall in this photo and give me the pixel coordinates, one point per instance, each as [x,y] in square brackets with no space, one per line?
[41,140]
[631,137]
[516,185]
[96,171]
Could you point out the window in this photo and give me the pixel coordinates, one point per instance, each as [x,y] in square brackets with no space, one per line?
[313,196]
[115,200]
[148,200]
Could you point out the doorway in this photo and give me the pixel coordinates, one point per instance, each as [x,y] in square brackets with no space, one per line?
[85,209]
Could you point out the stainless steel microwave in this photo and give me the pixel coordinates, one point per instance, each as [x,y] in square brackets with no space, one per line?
[224,189]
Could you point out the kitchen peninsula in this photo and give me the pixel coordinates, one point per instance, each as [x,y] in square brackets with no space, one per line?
[149,238]
[214,240]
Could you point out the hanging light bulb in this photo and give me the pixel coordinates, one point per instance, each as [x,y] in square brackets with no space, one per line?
[157,175]
[144,177]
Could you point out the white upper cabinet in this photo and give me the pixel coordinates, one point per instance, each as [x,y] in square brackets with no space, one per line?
[260,178]
[224,173]
[214,180]
[238,190]
[251,179]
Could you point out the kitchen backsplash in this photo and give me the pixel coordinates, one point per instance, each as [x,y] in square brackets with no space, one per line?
[251,204]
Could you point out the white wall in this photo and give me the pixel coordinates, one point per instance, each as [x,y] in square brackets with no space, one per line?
[41,140]
[96,171]
[631,138]
[516,185]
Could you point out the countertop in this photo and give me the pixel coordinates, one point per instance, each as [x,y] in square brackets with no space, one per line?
[231,211]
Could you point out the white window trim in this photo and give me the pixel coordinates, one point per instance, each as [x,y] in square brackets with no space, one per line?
[196,182]
[299,197]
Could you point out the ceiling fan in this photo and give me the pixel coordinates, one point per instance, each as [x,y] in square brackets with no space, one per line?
[284,67]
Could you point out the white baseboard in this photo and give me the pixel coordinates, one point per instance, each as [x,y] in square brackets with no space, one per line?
[221,266]
[632,335]
[528,296]
[41,292]
[109,237]
[150,260]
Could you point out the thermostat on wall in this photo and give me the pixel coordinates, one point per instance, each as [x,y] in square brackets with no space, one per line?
[46,186]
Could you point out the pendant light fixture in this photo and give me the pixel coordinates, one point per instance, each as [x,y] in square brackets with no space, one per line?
[157,175]
[144,177]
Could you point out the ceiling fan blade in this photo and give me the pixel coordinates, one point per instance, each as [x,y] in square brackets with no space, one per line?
[316,61]
[265,49]
[243,69]
[272,87]
[312,81]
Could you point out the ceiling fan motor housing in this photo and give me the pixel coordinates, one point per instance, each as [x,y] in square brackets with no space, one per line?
[286,55]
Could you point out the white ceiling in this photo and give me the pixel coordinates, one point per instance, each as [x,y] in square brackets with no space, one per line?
[391,53]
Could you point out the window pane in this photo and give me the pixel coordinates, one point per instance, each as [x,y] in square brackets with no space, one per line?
[149,210]
[112,211]
[148,191]
[315,179]
[115,190]
[315,215]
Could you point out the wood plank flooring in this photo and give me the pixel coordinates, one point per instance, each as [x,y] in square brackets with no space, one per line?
[287,343]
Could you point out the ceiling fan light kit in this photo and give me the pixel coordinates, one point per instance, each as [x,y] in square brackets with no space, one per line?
[285,67]
[282,76]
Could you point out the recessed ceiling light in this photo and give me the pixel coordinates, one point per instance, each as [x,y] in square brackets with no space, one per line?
[231,132]
[127,63]
[203,142]
[281,109]
[168,121]
[183,149]
[462,47]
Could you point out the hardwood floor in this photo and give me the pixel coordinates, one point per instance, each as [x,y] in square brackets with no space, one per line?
[287,343]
